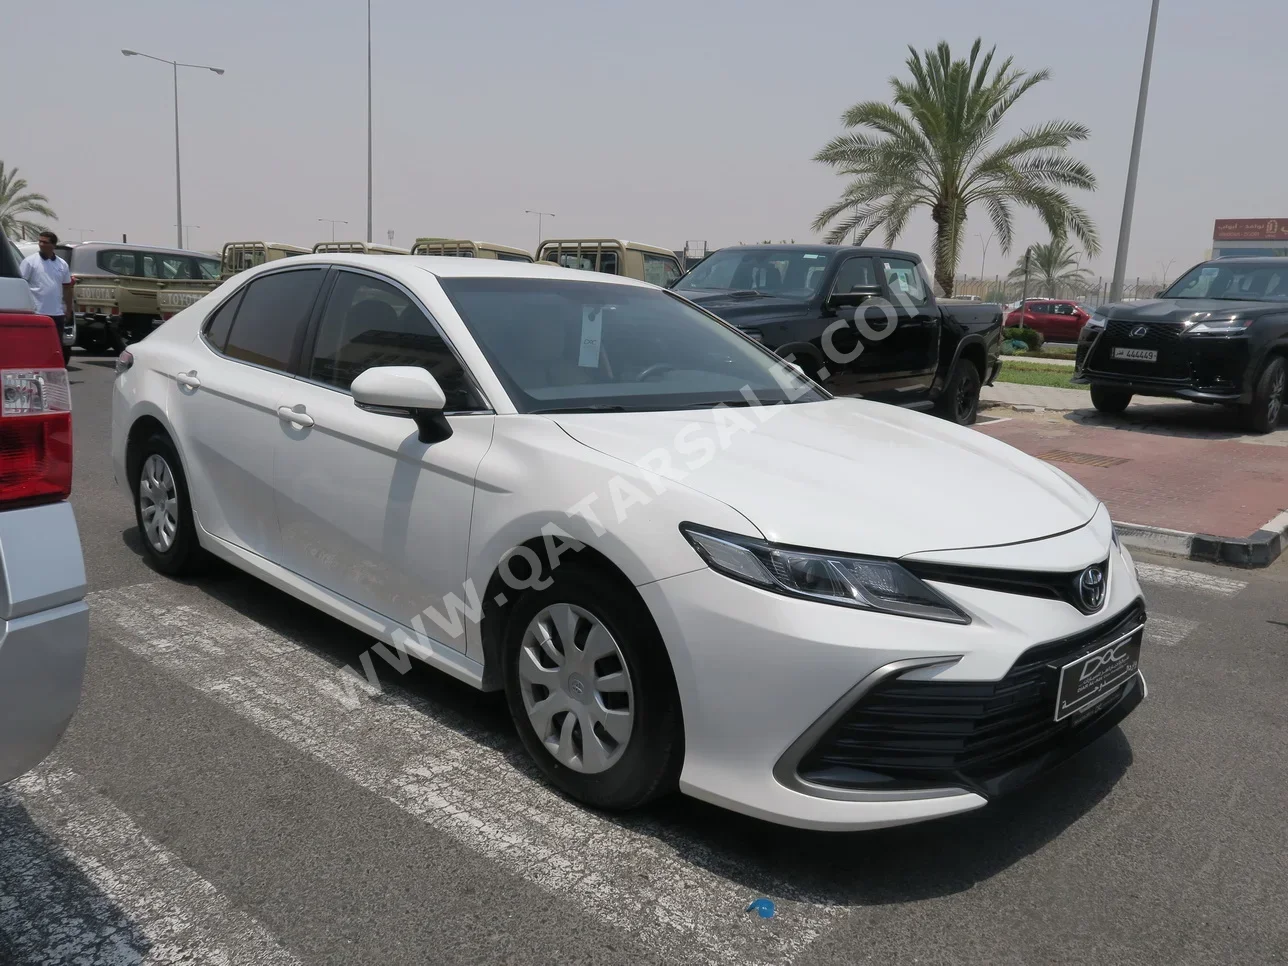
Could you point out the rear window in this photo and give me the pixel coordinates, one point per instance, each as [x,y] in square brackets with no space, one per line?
[510,257]
[207,268]
[271,317]
[660,270]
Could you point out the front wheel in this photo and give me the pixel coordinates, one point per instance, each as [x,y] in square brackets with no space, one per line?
[1262,415]
[960,399]
[591,691]
[1108,400]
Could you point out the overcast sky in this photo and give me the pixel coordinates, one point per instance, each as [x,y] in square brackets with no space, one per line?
[662,121]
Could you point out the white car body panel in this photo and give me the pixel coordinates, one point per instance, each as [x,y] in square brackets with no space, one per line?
[358,518]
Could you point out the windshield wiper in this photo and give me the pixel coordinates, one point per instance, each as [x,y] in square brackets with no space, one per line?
[578,409]
[725,402]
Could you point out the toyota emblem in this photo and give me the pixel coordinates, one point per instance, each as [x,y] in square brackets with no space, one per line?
[1091,588]
[1139,332]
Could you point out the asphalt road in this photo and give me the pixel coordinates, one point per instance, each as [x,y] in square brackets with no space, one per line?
[216,800]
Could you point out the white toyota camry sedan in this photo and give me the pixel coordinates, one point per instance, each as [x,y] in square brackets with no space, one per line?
[686,565]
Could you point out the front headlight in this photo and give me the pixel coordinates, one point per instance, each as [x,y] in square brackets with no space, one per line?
[862,582]
[1220,327]
[1095,323]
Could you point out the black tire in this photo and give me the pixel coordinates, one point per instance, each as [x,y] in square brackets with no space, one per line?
[1108,400]
[184,555]
[959,402]
[1268,396]
[649,766]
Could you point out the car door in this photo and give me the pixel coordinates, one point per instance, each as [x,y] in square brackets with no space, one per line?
[910,354]
[1064,322]
[366,509]
[226,403]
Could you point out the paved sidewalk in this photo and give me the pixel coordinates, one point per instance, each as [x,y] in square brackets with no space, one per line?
[1047,397]
[1211,486]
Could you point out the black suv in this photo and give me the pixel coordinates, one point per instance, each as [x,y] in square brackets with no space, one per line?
[1218,335]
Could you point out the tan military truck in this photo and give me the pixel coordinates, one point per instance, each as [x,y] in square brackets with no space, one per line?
[613,256]
[359,247]
[117,287]
[241,255]
[462,248]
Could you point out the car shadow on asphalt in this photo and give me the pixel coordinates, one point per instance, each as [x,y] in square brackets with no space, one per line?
[851,869]
[73,918]
[1186,420]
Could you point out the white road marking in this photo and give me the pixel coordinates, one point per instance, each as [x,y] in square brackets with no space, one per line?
[429,762]
[1168,631]
[81,883]
[1189,579]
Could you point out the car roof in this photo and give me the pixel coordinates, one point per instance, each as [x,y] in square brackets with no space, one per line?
[123,246]
[821,249]
[446,266]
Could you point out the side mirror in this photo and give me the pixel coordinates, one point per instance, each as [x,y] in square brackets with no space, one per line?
[856,296]
[408,391]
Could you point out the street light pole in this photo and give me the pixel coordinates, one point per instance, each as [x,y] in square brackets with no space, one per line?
[540,215]
[982,257]
[1133,165]
[188,240]
[178,189]
[334,222]
[368,122]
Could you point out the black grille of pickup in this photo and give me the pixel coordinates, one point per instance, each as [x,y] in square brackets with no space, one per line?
[919,734]
[1165,339]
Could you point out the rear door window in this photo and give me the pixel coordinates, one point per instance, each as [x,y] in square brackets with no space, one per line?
[118,262]
[905,281]
[660,270]
[271,318]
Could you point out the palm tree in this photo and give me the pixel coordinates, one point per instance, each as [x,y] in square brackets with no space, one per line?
[937,146]
[16,201]
[1053,270]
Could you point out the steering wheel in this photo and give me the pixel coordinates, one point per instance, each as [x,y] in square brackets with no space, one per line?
[657,368]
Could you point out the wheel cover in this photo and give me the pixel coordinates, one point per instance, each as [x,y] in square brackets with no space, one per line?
[576,688]
[158,503]
[964,397]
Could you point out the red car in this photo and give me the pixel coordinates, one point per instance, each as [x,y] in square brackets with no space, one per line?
[1059,320]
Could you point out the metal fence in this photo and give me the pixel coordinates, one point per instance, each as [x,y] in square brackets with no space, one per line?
[1094,292]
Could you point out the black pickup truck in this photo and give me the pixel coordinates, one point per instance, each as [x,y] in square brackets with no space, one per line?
[861,321]
[1217,335]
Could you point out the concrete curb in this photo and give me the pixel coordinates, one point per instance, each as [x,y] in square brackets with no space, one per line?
[1260,549]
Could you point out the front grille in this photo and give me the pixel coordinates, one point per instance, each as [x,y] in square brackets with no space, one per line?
[1173,359]
[925,734]
[1030,583]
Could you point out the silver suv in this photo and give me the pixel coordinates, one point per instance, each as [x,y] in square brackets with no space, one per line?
[44,621]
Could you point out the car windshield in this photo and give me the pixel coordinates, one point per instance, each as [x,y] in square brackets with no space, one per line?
[1253,281]
[574,346]
[788,274]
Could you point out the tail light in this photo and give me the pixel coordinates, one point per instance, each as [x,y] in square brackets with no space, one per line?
[35,413]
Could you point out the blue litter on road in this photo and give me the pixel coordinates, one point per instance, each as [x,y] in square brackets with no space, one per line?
[765,907]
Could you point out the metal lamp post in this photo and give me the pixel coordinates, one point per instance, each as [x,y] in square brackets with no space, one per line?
[334,222]
[540,215]
[1133,164]
[984,256]
[178,190]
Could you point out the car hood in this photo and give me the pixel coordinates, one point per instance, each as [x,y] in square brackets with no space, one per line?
[848,474]
[1187,311]
[746,310]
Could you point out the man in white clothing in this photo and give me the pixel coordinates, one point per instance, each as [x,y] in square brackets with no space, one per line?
[50,280]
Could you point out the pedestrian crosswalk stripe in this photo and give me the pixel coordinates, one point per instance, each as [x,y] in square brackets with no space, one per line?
[1167,630]
[1189,579]
[81,883]
[665,889]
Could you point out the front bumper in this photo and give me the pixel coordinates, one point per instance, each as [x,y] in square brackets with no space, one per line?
[44,632]
[1200,368]
[762,677]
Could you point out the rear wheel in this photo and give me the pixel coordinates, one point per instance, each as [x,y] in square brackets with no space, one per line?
[162,510]
[960,398]
[1262,415]
[591,691]
[1109,400]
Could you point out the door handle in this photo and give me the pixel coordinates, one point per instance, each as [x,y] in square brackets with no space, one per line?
[188,380]
[297,416]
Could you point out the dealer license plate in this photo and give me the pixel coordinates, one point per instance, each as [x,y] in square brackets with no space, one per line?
[1137,355]
[1094,676]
